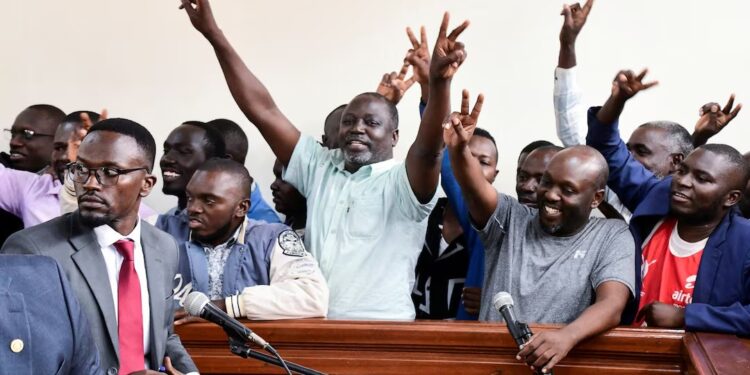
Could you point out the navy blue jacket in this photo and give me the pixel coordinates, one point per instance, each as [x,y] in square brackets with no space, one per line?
[721,298]
[41,315]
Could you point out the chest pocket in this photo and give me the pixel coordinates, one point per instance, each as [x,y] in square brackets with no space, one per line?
[365,217]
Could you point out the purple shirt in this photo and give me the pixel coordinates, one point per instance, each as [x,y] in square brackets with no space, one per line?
[35,198]
[32,197]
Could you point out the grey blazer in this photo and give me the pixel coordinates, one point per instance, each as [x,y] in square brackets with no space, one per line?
[76,249]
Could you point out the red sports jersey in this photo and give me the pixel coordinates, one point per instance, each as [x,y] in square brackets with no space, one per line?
[669,267]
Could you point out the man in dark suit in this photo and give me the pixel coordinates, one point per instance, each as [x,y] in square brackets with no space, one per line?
[42,320]
[121,268]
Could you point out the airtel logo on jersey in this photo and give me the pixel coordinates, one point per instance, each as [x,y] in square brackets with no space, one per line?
[690,282]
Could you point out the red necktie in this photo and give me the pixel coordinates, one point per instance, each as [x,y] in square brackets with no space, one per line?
[129,313]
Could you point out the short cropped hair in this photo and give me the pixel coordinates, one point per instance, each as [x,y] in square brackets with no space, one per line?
[234,137]
[213,141]
[479,132]
[734,158]
[132,129]
[535,145]
[51,113]
[680,141]
[391,107]
[229,166]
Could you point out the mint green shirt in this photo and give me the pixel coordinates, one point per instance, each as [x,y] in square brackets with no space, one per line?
[366,230]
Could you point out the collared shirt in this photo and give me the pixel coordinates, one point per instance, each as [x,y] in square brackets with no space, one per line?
[30,196]
[572,122]
[217,259]
[366,229]
[106,236]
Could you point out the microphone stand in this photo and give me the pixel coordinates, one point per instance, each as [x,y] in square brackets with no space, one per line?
[243,350]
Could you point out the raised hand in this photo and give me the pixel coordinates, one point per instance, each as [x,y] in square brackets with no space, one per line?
[575,18]
[76,137]
[393,86]
[419,56]
[448,53]
[459,126]
[627,84]
[200,16]
[713,119]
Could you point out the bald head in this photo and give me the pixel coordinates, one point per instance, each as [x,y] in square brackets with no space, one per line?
[590,162]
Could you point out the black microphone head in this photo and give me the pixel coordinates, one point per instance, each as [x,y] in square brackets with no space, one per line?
[195,302]
[501,299]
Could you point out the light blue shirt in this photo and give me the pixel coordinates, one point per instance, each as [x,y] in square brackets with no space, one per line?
[366,229]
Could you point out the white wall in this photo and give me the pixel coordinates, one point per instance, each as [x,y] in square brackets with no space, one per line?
[142,60]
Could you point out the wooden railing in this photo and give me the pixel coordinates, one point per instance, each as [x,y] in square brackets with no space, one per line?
[438,347]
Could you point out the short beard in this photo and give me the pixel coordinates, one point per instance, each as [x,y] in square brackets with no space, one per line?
[359,158]
[94,220]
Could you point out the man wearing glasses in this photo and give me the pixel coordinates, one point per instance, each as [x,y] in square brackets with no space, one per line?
[121,268]
[34,197]
[30,140]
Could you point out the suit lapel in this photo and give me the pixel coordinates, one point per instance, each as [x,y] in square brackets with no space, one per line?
[155,274]
[708,269]
[90,262]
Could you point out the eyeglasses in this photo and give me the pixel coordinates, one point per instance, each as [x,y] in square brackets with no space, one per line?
[106,176]
[25,134]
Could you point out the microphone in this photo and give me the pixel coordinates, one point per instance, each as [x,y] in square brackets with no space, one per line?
[503,302]
[198,304]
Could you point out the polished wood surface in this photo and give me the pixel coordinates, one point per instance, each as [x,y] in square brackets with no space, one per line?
[711,353]
[427,347]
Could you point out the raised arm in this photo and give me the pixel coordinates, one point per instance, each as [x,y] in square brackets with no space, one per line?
[628,178]
[248,92]
[713,119]
[423,159]
[570,112]
[480,196]
[575,18]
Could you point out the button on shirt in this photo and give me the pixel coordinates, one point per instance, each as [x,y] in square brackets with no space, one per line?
[366,229]
[106,236]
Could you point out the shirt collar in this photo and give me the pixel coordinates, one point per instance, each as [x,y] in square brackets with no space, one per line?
[238,237]
[107,236]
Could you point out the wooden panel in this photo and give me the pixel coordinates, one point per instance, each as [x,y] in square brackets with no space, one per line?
[427,347]
[711,353]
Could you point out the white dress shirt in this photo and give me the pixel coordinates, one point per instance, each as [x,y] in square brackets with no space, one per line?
[106,236]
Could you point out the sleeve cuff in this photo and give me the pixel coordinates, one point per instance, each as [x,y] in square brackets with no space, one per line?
[235,306]
[565,80]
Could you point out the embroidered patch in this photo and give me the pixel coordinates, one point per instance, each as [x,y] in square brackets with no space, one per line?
[291,244]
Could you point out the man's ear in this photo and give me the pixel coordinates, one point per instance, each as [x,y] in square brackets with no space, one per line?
[148,183]
[242,208]
[674,161]
[494,176]
[394,138]
[598,198]
[732,198]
